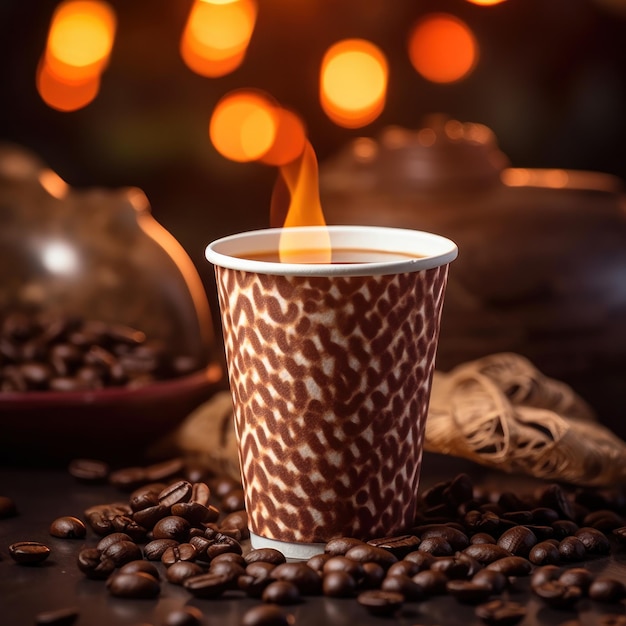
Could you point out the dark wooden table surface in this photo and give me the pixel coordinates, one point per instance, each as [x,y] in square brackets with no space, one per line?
[42,495]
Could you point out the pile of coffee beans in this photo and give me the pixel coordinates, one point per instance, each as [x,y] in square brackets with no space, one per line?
[178,527]
[40,352]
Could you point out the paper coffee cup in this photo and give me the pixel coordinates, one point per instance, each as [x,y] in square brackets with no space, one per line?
[330,369]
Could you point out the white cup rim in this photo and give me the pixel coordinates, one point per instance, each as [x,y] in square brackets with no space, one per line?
[437,250]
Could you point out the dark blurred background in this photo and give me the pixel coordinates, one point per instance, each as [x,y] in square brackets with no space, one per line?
[550,83]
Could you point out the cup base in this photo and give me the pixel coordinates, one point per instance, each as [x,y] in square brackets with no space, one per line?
[292,551]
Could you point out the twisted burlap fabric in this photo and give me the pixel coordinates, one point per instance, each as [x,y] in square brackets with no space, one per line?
[499,411]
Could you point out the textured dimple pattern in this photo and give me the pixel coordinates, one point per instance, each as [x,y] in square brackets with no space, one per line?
[330,381]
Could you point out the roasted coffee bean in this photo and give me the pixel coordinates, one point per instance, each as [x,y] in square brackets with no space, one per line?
[208,585]
[398,546]
[511,566]
[604,520]
[618,533]
[468,592]
[557,595]
[229,557]
[373,576]
[459,490]
[338,584]
[572,549]
[544,574]
[434,495]
[455,537]
[201,544]
[267,555]
[126,524]
[128,478]
[341,545]
[606,589]
[432,582]
[256,578]
[544,516]
[179,572]
[544,553]
[220,544]
[501,613]
[181,552]
[172,527]
[517,540]
[437,546]
[281,592]
[227,568]
[89,470]
[554,497]
[260,568]
[233,533]
[222,485]
[143,499]
[344,564]
[176,492]
[404,568]
[308,582]
[482,538]
[100,517]
[564,528]
[7,507]
[379,602]
[473,565]
[578,577]
[195,513]
[185,616]
[234,501]
[422,559]
[145,496]
[404,585]
[122,552]
[236,519]
[133,585]
[367,553]
[496,580]
[510,501]
[595,541]
[153,551]
[481,522]
[93,566]
[148,517]
[316,562]
[452,567]
[542,533]
[68,527]
[29,552]
[59,617]
[266,615]
[140,565]
[165,470]
[486,553]
[518,517]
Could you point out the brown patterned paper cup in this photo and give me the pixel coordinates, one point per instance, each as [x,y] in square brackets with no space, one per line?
[330,369]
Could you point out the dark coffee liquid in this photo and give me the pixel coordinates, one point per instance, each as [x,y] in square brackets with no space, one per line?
[339,256]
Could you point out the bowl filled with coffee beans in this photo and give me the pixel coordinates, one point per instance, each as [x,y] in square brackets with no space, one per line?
[70,384]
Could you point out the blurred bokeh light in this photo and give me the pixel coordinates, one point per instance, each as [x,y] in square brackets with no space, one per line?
[217,34]
[77,51]
[442,48]
[353,82]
